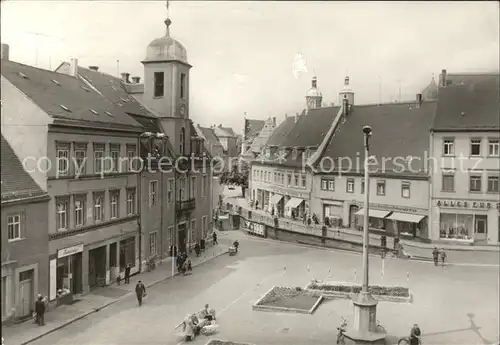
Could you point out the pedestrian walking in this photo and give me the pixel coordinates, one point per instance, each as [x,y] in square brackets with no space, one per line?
[189,266]
[442,253]
[127,273]
[140,292]
[197,249]
[40,310]
[435,255]
[214,236]
[304,218]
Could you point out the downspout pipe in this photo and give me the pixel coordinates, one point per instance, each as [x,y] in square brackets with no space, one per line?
[139,201]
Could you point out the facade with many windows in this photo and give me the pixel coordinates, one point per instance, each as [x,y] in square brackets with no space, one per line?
[465,144]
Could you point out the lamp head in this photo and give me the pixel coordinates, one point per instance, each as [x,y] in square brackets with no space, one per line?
[367,130]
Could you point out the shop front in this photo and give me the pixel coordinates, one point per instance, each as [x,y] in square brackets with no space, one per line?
[376,220]
[97,267]
[69,270]
[333,213]
[295,208]
[277,201]
[128,253]
[409,225]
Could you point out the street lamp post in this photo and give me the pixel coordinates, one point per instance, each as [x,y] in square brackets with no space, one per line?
[364,325]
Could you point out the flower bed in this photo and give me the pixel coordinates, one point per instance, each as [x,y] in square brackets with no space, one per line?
[347,290]
[285,299]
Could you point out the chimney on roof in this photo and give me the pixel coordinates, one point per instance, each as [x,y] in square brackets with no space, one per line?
[443,78]
[125,77]
[73,63]
[136,80]
[345,107]
[274,121]
[419,100]
[94,68]
[5,51]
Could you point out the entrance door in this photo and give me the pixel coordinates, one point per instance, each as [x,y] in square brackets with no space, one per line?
[480,229]
[112,261]
[181,241]
[92,268]
[26,293]
[353,219]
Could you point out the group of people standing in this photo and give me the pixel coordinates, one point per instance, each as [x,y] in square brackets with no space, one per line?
[194,323]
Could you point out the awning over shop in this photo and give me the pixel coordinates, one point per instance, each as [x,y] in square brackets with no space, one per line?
[406,217]
[373,213]
[276,198]
[294,202]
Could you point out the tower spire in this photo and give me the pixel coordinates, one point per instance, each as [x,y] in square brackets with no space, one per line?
[167,21]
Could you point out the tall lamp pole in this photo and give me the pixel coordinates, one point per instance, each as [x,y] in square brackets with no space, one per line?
[364,329]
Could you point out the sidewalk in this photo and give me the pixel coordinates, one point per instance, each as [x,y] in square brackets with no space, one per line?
[99,298]
[415,248]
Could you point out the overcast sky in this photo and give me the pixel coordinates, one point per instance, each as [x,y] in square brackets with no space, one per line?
[242,52]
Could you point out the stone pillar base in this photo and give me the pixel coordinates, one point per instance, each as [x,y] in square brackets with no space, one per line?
[364,326]
[355,338]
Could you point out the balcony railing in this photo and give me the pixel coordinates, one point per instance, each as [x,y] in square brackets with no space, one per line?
[185,205]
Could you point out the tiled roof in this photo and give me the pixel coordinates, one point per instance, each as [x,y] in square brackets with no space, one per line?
[16,182]
[310,129]
[474,105]
[209,135]
[399,131]
[253,127]
[67,98]
[113,90]
[263,136]
[468,78]
[221,132]
[281,132]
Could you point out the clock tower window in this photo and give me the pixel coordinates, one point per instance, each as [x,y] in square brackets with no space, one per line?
[183,84]
[159,84]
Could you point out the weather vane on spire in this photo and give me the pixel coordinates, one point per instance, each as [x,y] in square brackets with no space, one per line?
[168,21]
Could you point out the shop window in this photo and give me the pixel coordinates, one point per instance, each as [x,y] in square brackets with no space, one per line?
[448,183]
[98,206]
[493,147]
[114,200]
[153,188]
[405,190]
[14,227]
[62,214]
[350,185]
[475,183]
[153,243]
[493,184]
[381,188]
[170,191]
[127,252]
[448,147]
[475,147]
[80,208]
[131,201]
[456,226]
[63,159]
[159,80]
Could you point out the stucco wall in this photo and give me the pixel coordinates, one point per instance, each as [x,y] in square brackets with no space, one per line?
[24,126]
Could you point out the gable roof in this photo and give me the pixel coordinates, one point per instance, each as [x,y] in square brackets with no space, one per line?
[253,128]
[52,91]
[209,135]
[262,136]
[281,132]
[311,128]
[474,105]
[400,131]
[16,182]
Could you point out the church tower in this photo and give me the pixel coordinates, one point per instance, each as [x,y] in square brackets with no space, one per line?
[166,87]
[346,93]
[313,96]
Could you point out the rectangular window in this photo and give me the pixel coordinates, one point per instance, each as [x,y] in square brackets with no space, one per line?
[303,181]
[63,160]
[62,214]
[152,243]
[80,158]
[362,186]
[131,158]
[153,188]
[131,201]
[448,183]
[289,179]
[115,155]
[381,188]
[331,185]
[114,203]
[493,184]
[475,183]
[14,227]
[80,210]
[99,207]
[324,184]
[475,147]
[405,190]
[449,147]
[193,187]
[98,158]
[350,185]
[183,85]
[159,84]
[493,147]
[170,233]
[296,178]
[203,185]
[170,191]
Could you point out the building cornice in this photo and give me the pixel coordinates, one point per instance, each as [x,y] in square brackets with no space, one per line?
[26,200]
[465,130]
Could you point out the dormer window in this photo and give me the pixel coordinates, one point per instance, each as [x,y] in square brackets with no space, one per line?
[94,112]
[65,108]
[108,113]
[22,75]
[56,82]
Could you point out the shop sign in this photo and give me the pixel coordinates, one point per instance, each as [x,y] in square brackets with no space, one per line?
[255,228]
[61,253]
[391,207]
[466,204]
[290,192]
